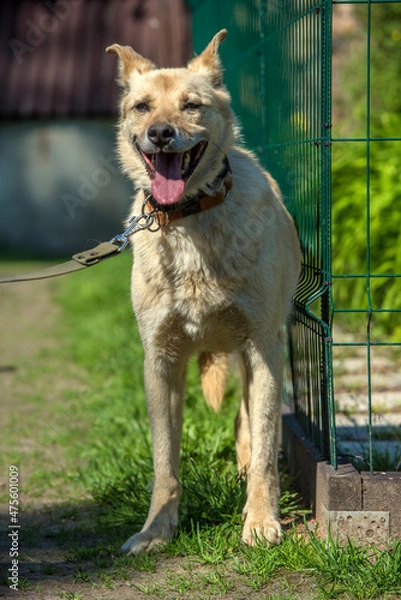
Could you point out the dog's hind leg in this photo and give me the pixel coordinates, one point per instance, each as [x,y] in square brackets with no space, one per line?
[264,374]
[164,392]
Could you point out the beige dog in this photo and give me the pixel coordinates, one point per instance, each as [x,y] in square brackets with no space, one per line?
[216,278]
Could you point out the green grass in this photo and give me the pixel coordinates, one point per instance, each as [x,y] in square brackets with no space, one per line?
[102,430]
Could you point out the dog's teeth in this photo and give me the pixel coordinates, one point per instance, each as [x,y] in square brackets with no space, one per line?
[186,161]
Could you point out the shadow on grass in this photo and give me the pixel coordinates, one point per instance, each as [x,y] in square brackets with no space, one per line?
[64,544]
[77,546]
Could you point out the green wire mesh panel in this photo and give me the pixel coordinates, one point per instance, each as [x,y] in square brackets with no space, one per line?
[366,226]
[277,69]
[297,51]
[326,148]
[240,55]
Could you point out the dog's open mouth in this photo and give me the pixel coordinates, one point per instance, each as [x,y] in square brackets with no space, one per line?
[168,171]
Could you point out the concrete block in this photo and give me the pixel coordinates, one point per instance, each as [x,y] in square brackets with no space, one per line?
[382,491]
[302,458]
[362,526]
[349,504]
[338,489]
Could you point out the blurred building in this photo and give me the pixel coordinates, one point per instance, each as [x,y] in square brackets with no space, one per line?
[60,187]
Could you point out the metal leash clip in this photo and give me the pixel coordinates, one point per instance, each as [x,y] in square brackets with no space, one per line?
[155,215]
[144,221]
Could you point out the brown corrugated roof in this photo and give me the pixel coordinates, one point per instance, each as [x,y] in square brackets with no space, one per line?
[52,52]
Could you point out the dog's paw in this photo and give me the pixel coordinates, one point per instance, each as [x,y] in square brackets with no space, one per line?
[267,531]
[151,537]
[145,541]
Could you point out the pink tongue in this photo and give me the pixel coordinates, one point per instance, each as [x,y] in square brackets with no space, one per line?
[168,186]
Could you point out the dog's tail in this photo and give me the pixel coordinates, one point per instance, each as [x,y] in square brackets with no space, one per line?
[214,370]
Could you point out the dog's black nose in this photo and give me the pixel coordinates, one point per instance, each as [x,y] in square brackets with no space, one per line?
[160,135]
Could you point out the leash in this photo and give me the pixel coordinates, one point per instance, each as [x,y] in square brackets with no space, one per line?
[94,256]
[155,219]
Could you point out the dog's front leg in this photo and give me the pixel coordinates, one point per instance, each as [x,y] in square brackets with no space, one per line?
[264,376]
[164,394]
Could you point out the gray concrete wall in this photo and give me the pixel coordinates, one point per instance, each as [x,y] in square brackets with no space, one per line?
[60,186]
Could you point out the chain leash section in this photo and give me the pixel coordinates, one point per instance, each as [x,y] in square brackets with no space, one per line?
[135,224]
[144,221]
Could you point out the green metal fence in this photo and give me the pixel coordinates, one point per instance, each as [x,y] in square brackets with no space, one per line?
[322,133]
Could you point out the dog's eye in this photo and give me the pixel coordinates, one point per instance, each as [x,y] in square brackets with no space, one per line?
[142,107]
[192,105]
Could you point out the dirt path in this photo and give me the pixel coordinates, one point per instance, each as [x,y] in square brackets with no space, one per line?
[28,317]
[33,378]
[55,518]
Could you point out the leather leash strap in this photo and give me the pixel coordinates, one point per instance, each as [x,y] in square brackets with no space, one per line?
[81,260]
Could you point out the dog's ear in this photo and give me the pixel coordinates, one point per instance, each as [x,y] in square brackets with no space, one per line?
[129,61]
[209,59]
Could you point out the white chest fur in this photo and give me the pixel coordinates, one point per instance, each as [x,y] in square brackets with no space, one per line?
[197,283]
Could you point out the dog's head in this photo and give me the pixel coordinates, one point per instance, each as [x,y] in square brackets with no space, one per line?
[176,125]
